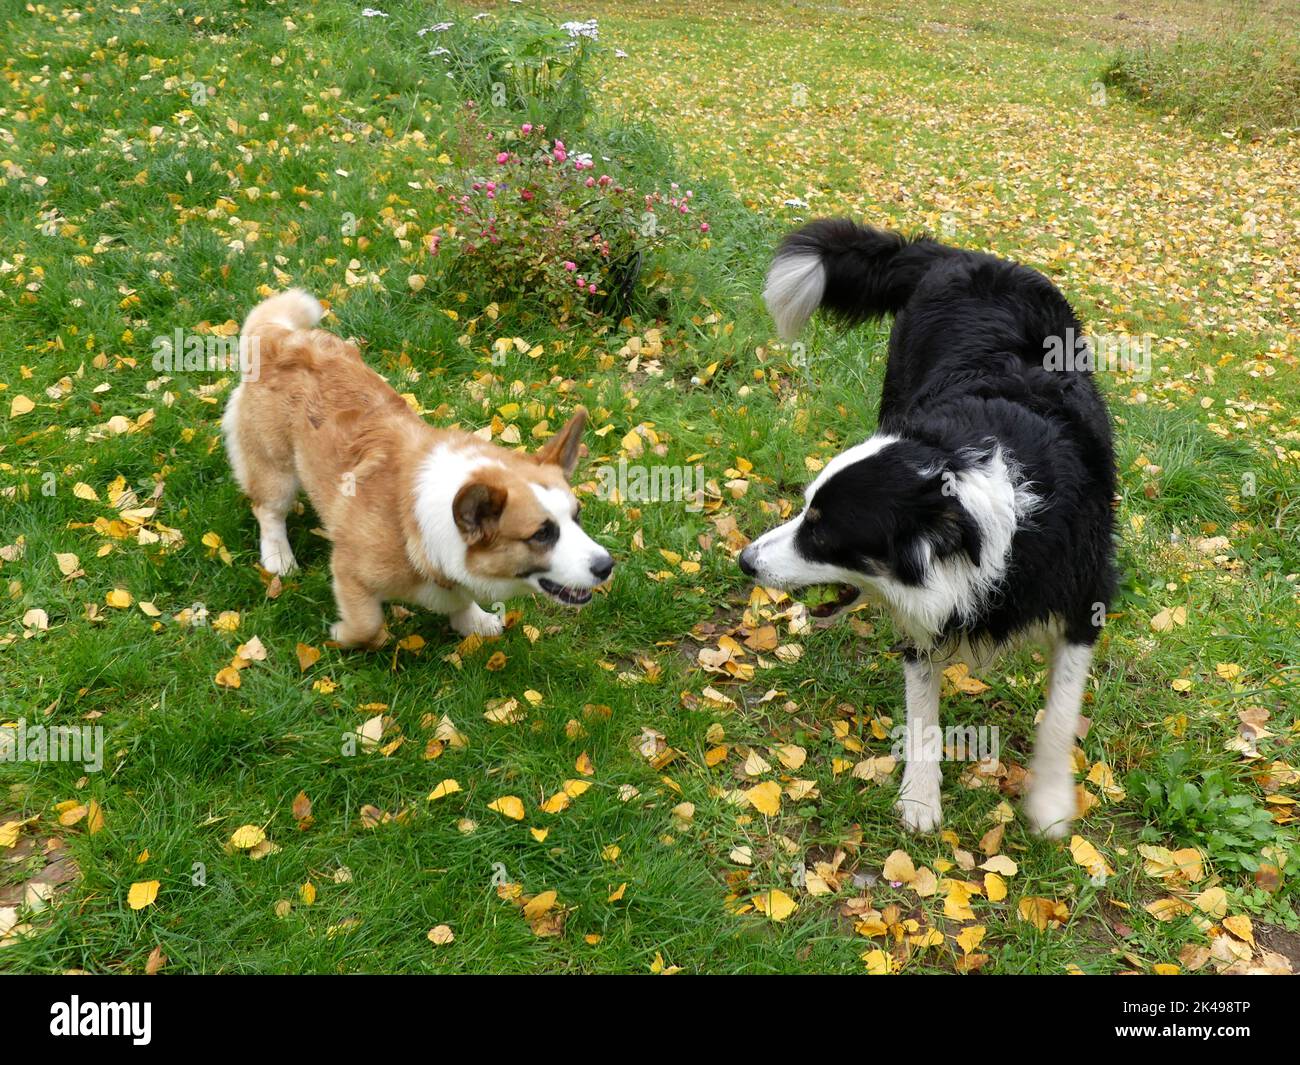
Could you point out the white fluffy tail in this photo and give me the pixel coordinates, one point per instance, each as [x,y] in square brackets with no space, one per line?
[852,272]
[294,309]
[794,289]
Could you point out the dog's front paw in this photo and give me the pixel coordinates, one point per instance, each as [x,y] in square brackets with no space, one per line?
[1050,807]
[920,802]
[919,815]
[475,621]
[920,805]
[278,559]
[347,638]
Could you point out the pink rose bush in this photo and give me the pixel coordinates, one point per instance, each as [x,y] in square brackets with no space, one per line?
[534,218]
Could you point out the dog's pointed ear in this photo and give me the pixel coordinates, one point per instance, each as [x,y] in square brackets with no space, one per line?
[564,448]
[956,531]
[946,529]
[909,560]
[477,510]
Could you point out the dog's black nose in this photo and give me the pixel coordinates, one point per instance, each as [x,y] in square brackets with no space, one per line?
[602,569]
[747,563]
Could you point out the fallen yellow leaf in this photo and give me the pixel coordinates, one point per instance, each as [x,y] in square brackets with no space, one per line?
[776,904]
[508,806]
[246,837]
[142,894]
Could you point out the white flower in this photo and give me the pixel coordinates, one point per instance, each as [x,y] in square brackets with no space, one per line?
[441,51]
[439,28]
[619,53]
[373,12]
[795,202]
[580,29]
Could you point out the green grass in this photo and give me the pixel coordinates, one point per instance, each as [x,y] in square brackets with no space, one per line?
[1244,79]
[988,121]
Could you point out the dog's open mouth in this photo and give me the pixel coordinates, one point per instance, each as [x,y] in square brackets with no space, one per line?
[567,596]
[827,600]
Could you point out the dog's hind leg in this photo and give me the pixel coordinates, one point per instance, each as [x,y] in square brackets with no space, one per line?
[1050,804]
[271,506]
[919,804]
[263,468]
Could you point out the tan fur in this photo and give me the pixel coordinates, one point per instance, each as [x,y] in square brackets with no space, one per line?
[316,418]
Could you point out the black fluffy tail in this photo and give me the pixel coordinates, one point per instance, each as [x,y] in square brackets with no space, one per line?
[854,272]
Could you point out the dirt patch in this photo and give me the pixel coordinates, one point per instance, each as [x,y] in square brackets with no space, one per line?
[1279,940]
[32,872]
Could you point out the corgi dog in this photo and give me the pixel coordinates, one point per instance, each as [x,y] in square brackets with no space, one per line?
[434,517]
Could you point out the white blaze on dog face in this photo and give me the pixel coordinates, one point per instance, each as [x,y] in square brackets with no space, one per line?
[785,557]
[508,525]
[576,563]
[521,534]
[777,562]
[925,532]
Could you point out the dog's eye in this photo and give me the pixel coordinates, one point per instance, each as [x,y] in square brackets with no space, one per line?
[547,534]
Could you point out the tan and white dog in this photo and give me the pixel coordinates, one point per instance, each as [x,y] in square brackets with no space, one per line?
[435,517]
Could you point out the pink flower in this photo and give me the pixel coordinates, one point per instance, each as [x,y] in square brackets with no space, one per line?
[592,289]
[570,266]
[434,240]
[503,157]
[590,182]
[525,194]
[526,128]
[704,227]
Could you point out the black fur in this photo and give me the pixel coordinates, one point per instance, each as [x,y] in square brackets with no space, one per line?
[966,372]
[869,272]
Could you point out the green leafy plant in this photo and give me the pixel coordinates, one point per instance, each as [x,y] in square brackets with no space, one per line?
[530,217]
[1204,809]
[519,63]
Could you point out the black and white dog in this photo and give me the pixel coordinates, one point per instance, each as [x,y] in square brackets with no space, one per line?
[979,513]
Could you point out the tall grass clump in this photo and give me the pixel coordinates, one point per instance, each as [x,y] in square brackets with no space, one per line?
[515,61]
[1246,80]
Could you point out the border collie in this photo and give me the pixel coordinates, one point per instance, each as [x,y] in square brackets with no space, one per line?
[431,516]
[979,513]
